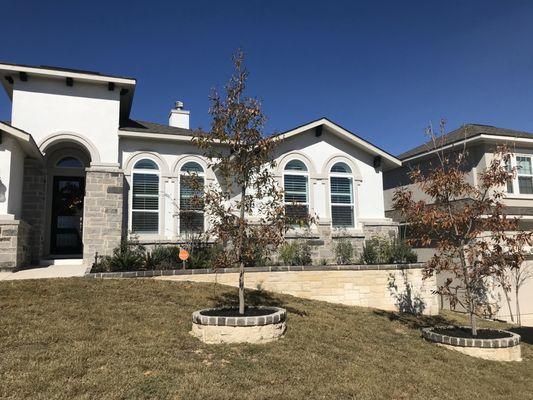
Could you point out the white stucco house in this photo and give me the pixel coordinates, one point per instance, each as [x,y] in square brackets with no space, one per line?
[77,173]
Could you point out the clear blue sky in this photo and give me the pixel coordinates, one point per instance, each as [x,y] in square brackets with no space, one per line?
[380,69]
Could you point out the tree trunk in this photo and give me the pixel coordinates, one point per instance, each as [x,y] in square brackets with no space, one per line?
[508,300]
[473,323]
[239,254]
[518,316]
[468,294]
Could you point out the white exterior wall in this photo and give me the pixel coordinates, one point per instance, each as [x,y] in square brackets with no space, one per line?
[45,107]
[170,157]
[11,176]
[318,153]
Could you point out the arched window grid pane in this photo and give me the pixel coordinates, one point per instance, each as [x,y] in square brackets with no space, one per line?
[341,167]
[192,167]
[69,162]
[146,163]
[296,165]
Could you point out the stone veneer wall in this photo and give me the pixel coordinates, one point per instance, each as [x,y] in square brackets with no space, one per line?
[323,240]
[33,206]
[15,249]
[102,215]
[386,287]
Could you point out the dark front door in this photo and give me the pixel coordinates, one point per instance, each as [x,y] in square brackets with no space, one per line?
[67,215]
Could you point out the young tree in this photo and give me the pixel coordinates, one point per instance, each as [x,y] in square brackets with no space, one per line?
[242,159]
[512,282]
[465,223]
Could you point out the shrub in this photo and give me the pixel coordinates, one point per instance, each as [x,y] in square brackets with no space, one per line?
[344,251]
[258,255]
[128,256]
[370,254]
[401,252]
[166,257]
[376,251]
[295,253]
[379,250]
[203,255]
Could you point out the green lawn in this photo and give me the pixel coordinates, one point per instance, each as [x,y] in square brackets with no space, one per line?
[128,339]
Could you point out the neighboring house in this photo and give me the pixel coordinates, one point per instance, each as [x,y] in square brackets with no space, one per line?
[480,142]
[78,174]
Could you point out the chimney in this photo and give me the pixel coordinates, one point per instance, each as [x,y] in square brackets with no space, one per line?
[179,117]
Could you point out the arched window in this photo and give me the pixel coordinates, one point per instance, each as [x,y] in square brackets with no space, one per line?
[145,197]
[69,162]
[342,196]
[191,198]
[296,190]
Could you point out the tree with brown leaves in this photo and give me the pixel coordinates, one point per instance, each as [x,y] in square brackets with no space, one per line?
[474,239]
[242,159]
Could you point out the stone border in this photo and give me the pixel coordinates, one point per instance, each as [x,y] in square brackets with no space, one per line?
[279,315]
[152,273]
[256,329]
[513,340]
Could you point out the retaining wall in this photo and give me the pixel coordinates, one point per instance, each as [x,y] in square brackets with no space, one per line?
[387,287]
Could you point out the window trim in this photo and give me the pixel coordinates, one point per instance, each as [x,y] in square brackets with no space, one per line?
[516,189]
[181,173]
[158,196]
[352,196]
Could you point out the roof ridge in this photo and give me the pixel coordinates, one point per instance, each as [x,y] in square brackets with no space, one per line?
[465,131]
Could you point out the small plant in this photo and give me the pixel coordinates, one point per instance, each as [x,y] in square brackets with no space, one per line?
[370,254]
[379,250]
[401,252]
[257,255]
[127,256]
[344,251]
[296,253]
[203,255]
[376,250]
[166,257]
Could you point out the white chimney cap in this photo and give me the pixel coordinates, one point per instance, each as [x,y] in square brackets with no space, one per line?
[179,105]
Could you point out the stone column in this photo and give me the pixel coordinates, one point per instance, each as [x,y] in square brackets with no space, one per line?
[102,213]
[33,206]
[14,244]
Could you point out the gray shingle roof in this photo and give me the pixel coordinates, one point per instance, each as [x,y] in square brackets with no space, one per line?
[152,127]
[465,132]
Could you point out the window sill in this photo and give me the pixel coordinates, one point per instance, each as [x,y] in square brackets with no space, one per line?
[346,233]
[517,196]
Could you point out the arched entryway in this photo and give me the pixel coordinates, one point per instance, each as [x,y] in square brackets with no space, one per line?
[66,162]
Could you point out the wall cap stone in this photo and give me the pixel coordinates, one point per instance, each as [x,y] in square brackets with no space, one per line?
[277,316]
[511,341]
[152,273]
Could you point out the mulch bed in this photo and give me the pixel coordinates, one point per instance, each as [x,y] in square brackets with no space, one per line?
[234,312]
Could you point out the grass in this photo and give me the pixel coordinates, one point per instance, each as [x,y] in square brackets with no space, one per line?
[128,339]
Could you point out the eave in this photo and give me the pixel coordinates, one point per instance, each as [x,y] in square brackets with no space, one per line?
[24,139]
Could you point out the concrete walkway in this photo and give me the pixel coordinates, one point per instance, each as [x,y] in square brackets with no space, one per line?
[52,271]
